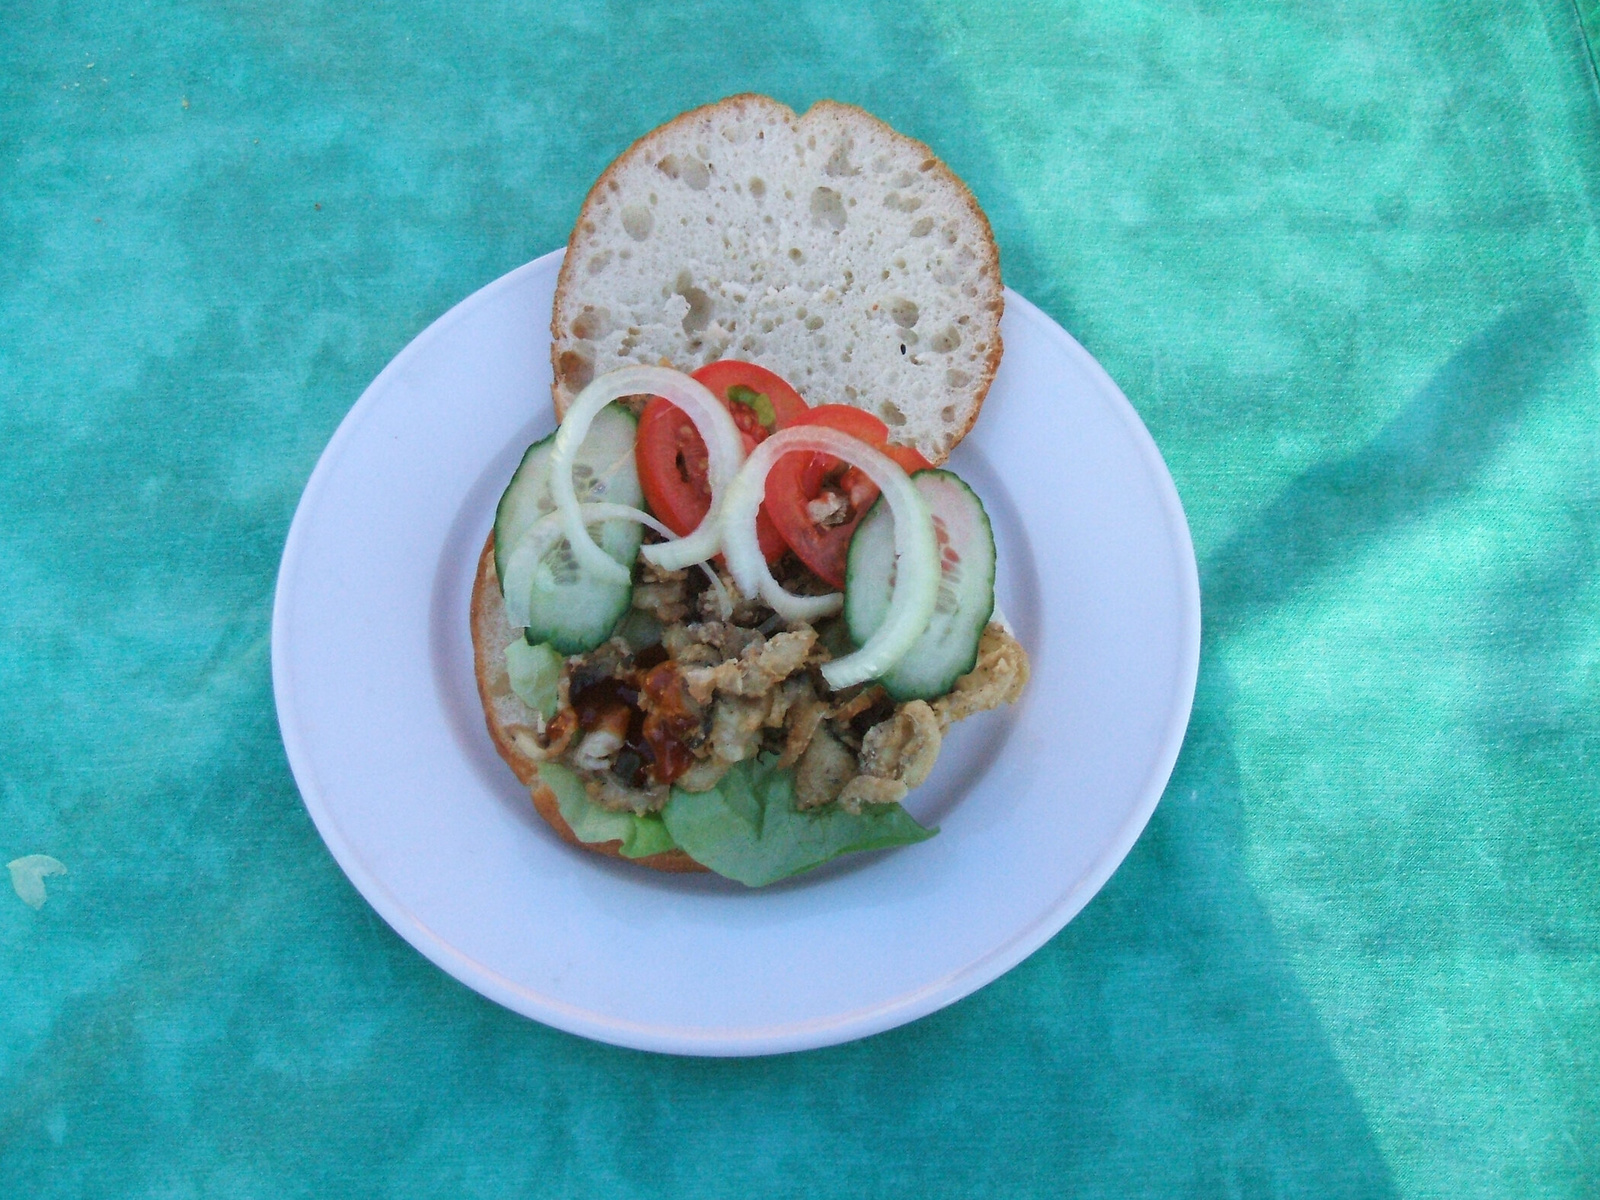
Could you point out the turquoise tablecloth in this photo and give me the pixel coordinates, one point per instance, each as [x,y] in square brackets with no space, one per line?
[1343,259]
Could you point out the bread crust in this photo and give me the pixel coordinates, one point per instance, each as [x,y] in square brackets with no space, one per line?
[494,691]
[567,285]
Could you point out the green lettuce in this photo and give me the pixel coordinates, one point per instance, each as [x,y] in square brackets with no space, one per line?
[748,828]
[535,675]
[641,836]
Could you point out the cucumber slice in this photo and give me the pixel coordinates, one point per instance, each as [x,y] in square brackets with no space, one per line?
[566,606]
[948,648]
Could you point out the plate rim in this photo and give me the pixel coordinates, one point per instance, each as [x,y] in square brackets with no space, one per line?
[793,1036]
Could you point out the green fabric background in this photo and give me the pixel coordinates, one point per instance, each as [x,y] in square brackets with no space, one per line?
[1342,257]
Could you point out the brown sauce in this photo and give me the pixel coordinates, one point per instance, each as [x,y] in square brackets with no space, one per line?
[656,741]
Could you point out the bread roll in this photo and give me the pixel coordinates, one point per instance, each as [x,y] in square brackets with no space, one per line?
[828,248]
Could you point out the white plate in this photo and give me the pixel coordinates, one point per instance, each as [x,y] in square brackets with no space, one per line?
[372,669]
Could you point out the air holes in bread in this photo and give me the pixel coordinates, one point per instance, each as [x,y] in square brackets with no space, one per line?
[591,323]
[686,168]
[637,222]
[827,208]
[839,162]
[903,312]
[699,314]
[575,369]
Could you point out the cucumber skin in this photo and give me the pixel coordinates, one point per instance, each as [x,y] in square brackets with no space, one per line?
[903,681]
[502,510]
[559,636]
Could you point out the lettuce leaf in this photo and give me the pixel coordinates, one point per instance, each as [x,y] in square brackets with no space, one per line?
[535,675]
[748,828]
[641,836]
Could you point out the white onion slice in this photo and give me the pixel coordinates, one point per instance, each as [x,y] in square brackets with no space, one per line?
[916,549]
[724,448]
[595,512]
[523,561]
[599,511]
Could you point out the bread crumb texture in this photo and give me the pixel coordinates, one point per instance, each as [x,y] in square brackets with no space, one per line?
[828,248]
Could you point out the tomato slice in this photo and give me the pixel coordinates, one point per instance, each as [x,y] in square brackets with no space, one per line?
[671,454]
[816,501]
[724,376]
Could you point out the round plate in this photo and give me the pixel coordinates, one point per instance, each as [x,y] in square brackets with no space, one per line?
[1037,804]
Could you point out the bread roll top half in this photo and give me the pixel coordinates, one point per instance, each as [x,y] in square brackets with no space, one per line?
[828,248]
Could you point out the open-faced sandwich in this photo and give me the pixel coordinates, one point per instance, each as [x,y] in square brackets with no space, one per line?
[731,605]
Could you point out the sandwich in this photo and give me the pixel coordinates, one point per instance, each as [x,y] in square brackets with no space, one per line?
[730,607]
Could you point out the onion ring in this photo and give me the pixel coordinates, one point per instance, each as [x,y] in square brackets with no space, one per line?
[724,449]
[916,549]
[522,563]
